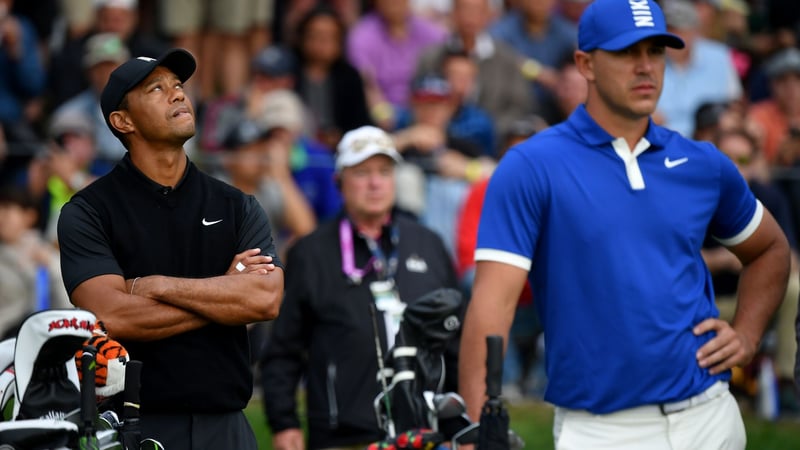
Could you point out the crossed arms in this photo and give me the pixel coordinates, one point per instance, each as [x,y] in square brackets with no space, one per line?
[162,306]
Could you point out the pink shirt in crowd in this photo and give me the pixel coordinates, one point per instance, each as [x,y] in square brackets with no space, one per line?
[391,62]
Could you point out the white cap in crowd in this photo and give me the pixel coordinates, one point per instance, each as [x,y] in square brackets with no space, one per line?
[282,109]
[362,143]
[122,4]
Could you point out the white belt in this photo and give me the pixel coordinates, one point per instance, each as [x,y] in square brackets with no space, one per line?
[709,394]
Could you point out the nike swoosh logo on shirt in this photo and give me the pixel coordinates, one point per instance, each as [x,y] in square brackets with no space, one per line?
[669,164]
[207,223]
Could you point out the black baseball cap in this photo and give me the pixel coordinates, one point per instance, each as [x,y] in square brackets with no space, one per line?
[132,72]
[273,61]
[244,131]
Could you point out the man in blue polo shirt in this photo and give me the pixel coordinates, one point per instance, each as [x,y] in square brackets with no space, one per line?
[605,214]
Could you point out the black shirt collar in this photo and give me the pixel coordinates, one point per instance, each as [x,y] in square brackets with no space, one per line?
[127,164]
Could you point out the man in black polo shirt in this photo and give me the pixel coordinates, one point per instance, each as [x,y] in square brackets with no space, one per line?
[152,249]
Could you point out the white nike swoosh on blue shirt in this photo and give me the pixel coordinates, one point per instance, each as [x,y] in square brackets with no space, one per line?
[669,164]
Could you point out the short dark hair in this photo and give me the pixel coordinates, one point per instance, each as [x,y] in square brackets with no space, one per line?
[452,52]
[12,194]
[738,132]
[320,10]
[708,114]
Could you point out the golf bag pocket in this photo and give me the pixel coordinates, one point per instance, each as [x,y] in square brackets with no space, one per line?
[51,394]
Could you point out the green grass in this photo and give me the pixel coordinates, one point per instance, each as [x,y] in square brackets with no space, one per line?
[533,421]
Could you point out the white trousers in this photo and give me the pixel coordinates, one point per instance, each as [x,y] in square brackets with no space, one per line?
[715,424]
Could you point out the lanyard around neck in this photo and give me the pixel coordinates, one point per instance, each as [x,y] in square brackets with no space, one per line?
[383,266]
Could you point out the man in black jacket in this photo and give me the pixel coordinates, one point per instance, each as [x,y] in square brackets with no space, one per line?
[324,332]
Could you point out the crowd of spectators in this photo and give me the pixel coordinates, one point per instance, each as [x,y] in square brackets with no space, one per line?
[453,82]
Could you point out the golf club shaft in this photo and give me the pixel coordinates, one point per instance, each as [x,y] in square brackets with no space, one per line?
[88,439]
[494,366]
[375,331]
[130,410]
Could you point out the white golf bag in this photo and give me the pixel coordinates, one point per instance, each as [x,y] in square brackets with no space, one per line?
[39,374]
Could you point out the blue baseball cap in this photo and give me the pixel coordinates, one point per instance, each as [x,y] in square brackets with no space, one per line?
[617,24]
[430,87]
[273,61]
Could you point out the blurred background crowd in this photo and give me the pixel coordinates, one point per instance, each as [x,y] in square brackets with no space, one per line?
[455,82]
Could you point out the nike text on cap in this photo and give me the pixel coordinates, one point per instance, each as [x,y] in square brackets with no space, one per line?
[613,25]
[363,143]
[132,72]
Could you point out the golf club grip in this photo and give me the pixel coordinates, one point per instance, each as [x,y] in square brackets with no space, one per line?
[494,365]
[88,398]
[133,373]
